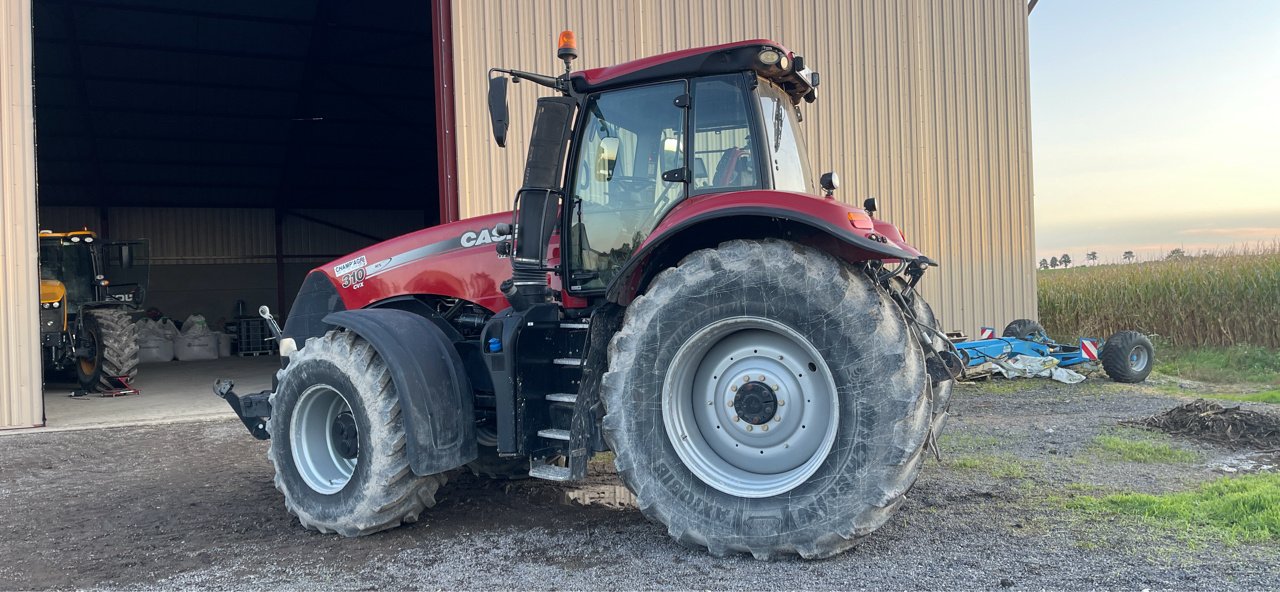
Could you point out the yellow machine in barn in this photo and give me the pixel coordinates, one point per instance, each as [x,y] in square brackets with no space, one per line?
[89,292]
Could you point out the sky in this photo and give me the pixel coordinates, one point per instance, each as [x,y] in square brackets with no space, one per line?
[1155,125]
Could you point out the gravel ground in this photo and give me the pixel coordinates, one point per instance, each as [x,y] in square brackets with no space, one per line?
[192,506]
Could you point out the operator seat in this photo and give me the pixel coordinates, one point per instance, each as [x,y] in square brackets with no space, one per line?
[734,169]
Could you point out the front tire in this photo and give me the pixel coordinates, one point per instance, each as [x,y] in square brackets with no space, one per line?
[338,441]
[114,350]
[838,365]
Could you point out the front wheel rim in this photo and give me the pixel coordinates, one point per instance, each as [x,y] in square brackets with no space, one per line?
[321,432]
[750,407]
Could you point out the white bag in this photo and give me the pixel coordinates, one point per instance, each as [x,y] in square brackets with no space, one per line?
[196,347]
[155,349]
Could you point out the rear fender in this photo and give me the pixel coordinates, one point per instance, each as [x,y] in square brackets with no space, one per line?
[436,400]
[674,239]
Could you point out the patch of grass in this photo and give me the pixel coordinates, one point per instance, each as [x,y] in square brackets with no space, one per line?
[1140,446]
[1000,386]
[1234,509]
[966,442]
[1001,466]
[1231,365]
[1271,396]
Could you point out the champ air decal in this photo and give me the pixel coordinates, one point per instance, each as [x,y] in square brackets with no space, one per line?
[349,266]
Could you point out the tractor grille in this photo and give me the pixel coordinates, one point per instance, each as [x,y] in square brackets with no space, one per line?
[51,320]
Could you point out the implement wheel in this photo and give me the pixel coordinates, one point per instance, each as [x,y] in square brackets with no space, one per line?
[338,441]
[1024,329]
[1128,356]
[762,397]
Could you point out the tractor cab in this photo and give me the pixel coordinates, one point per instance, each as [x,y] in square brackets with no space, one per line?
[625,145]
[82,268]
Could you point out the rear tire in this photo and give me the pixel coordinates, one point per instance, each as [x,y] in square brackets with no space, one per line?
[1025,329]
[831,346]
[1128,356]
[115,348]
[338,441]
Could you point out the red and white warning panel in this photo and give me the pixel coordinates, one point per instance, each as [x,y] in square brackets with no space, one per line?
[986,333]
[1089,348]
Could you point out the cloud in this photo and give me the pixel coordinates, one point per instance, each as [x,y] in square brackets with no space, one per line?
[1255,232]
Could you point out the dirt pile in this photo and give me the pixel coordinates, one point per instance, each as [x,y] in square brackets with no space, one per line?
[1210,422]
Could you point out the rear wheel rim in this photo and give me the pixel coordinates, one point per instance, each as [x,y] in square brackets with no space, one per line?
[322,431]
[750,406]
[1138,358]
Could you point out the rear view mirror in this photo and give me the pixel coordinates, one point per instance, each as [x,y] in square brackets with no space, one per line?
[498,114]
[606,158]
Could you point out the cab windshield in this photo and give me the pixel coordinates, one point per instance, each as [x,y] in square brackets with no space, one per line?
[69,263]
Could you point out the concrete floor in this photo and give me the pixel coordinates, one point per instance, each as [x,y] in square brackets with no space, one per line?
[171,391]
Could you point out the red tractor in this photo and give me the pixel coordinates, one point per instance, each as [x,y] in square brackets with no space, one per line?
[671,287]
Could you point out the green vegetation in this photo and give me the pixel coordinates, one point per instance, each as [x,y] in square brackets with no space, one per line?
[1220,365]
[1245,508]
[1217,299]
[966,442]
[1140,446]
[1272,396]
[1001,466]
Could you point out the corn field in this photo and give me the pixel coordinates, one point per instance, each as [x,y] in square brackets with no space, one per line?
[1225,298]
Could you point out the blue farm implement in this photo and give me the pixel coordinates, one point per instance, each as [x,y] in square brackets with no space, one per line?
[1126,356]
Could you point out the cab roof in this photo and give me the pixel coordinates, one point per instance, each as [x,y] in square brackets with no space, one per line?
[68,234]
[701,61]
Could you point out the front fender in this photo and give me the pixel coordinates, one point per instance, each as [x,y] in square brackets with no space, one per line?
[436,400]
[706,221]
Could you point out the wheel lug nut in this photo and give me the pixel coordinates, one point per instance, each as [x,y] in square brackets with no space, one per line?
[761,378]
[735,419]
[734,388]
[764,428]
[749,428]
[781,402]
[730,403]
[746,379]
[776,387]
[777,418]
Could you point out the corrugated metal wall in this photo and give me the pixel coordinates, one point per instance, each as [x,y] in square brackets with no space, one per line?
[195,236]
[20,404]
[923,104]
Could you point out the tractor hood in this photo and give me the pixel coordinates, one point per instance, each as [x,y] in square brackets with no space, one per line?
[52,291]
[455,260]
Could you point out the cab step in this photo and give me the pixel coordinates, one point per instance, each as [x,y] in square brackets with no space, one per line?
[554,434]
[550,472]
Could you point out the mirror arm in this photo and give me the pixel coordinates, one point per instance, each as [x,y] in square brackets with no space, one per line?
[539,79]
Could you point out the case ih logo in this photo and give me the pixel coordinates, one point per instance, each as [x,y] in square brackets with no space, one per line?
[485,236]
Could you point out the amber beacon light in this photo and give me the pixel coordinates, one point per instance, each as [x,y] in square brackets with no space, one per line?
[568,48]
